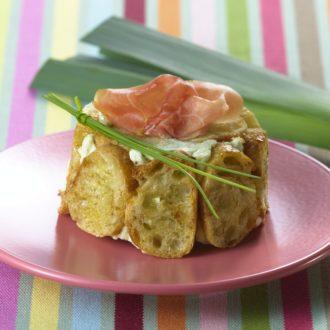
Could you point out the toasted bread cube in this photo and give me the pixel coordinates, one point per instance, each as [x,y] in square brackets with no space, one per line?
[98,187]
[237,209]
[161,217]
[256,148]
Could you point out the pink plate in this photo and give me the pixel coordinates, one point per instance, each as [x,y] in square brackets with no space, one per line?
[35,240]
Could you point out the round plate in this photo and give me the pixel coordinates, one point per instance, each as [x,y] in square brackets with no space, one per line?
[34,239]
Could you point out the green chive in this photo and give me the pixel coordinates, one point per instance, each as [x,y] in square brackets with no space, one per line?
[145,149]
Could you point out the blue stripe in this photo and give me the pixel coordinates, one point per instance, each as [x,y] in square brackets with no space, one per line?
[185,19]
[86,309]
[192,312]
[8,71]
[316,296]
[45,52]
[324,37]
[275,306]
[234,310]
[256,44]
[150,312]
[291,39]
[222,26]
[24,301]
[65,308]
[108,311]
[90,16]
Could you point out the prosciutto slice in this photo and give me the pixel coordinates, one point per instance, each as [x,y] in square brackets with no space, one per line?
[169,106]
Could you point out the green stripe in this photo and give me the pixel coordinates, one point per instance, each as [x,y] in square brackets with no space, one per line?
[46,39]
[192,312]
[24,301]
[108,311]
[65,308]
[234,310]
[254,304]
[316,296]
[238,29]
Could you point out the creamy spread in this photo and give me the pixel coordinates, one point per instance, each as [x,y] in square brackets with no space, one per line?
[124,235]
[258,221]
[198,150]
[87,147]
[136,157]
[236,143]
[90,110]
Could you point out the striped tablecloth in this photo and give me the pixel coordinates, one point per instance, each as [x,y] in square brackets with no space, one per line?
[289,36]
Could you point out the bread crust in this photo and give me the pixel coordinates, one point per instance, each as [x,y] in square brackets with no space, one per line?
[242,211]
[98,187]
[161,217]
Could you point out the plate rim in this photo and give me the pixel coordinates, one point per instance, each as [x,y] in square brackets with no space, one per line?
[164,288]
[168,288]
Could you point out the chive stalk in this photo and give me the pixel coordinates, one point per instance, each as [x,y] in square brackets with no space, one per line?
[150,150]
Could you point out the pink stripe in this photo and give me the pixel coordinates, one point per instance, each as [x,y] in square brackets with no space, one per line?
[27,63]
[273,35]
[296,302]
[135,10]
[213,311]
[9,282]
[129,312]
[203,29]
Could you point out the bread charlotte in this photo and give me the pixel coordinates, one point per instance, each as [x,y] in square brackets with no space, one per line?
[106,194]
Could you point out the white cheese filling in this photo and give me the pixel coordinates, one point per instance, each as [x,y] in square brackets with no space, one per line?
[124,235]
[87,147]
[236,143]
[90,110]
[198,150]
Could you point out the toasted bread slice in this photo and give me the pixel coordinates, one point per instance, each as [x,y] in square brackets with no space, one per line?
[161,217]
[237,209]
[80,133]
[256,148]
[98,192]
[250,119]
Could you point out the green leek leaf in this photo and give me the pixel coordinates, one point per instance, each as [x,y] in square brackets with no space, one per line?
[287,108]
[84,75]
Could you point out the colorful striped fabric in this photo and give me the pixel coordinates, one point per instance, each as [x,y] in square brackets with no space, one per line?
[288,36]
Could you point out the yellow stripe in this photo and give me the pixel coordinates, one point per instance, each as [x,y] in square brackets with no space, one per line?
[44,304]
[5,7]
[65,36]
[169,17]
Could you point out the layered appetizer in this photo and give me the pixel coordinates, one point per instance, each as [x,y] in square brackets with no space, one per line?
[167,164]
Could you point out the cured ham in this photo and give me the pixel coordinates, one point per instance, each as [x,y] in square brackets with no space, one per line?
[169,106]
